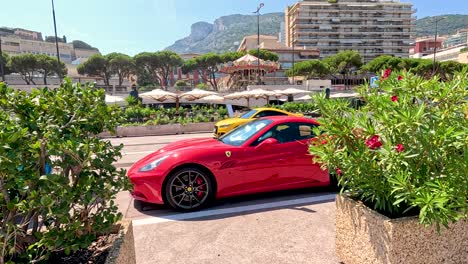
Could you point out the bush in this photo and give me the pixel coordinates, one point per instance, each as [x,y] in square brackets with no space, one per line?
[138,115]
[404,152]
[45,211]
[295,107]
[181,83]
[202,86]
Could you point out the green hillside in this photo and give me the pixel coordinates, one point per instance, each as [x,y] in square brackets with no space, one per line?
[448,25]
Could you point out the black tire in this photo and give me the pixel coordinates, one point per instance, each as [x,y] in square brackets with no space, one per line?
[189,189]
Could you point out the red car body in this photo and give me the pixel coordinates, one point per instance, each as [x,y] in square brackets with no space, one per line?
[237,170]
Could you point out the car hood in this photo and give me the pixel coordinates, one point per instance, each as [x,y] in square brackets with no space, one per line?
[231,121]
[191,144]
[177,148]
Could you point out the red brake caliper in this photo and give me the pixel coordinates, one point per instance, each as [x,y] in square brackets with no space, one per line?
[201,188]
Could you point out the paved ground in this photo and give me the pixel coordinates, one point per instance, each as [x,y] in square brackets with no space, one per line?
[282,227]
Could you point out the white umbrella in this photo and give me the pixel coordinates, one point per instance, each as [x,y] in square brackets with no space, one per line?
[344,95]
[256,93]
[197,94]
[159,95]
[110,99]
[214,99]
[291,91]
[304,98]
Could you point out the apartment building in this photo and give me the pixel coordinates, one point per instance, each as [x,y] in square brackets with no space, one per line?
[371,27]
[17,41]
[425,46]
[460,38]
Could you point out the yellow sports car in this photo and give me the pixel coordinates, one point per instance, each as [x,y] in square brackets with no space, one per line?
[226,125]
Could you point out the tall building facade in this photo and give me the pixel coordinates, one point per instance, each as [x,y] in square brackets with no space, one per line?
[371,27]
[16,41]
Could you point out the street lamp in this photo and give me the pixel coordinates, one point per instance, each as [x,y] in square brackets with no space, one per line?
[435,46]
[56,42]
[258,39]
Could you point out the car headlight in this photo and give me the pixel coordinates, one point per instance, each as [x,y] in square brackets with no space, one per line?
[224,126]
[152,165]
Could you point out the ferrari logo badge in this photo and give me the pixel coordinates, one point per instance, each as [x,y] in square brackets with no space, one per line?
[228,154]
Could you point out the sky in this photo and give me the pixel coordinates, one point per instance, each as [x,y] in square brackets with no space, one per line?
[133,26]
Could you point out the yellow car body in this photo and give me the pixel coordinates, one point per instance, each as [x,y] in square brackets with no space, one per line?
[226,125]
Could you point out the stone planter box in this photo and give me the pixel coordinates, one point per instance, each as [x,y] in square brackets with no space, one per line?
[172,129]
[123,250]
[365,236]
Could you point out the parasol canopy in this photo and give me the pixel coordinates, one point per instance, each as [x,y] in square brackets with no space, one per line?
[214,99]
[291,91]
[197,94]
[159,95]
[304,98]
[111,99]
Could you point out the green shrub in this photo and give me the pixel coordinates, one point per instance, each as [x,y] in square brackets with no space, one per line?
[405,151]
[296,107]
[202,86]
[138,115]
[181,83]
[42,211]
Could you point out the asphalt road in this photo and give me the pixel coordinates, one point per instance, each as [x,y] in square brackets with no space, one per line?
[282,227]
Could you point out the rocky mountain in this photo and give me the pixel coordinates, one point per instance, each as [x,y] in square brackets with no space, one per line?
[226,32]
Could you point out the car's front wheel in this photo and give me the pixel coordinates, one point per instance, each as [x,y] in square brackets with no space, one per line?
[189,189]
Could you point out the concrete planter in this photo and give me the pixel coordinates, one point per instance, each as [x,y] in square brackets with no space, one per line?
[123,250]
[198,127]
[171,129]
[365,236]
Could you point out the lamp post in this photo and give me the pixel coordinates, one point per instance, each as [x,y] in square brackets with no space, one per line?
[435,46]
[1,61]
[258,41]
[56,42]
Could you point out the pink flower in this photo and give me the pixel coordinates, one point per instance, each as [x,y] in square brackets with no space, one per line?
[400,77]
[386,74]
[399,148]
[374,142]
[339,172]
[394,98]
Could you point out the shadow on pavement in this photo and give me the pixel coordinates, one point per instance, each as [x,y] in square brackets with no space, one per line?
[241,205]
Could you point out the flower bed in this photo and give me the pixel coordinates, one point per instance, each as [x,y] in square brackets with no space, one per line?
[404,152]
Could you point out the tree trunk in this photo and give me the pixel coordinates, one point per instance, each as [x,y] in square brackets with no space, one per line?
[31,78]
[215,84]
[120,79]
[106,80]
[45,77]
[25,78]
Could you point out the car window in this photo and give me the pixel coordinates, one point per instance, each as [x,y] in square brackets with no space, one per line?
[249,114]
[288,132]
[241,134]
[269,113]
[306,131]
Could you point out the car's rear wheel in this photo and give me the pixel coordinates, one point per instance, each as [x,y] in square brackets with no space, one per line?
[189,189]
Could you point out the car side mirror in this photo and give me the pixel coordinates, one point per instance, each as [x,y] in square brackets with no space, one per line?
[267,143]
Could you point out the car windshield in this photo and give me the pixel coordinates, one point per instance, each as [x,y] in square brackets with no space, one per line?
[249,114]
[243,133]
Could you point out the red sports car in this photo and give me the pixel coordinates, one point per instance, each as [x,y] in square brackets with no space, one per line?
[264,155]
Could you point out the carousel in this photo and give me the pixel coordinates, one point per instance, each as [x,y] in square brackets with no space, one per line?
[246,71]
